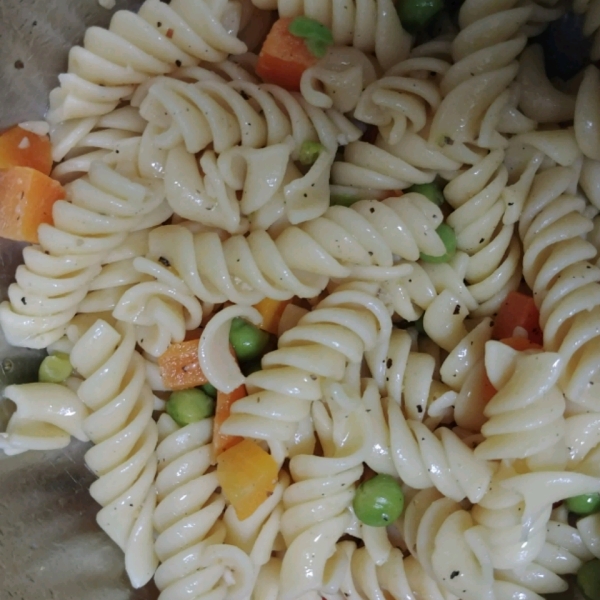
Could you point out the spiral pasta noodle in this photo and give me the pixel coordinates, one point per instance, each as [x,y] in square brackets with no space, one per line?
[485,66]
[190,542]
[480,201]
[564,282]
[312,355]
[155,41]
[423,459]
[371,26]
[45,418]
[272,189]
[221,113]
[99,212]
[310,525]
[246,269]
[125,436]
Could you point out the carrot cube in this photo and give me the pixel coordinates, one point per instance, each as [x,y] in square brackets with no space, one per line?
[26,200]
[22,148]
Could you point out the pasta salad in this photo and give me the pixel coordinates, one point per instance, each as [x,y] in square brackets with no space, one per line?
[318,280]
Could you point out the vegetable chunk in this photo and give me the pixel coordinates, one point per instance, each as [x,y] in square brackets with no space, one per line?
[26,200]
[21,148]
[180,366]
[248,475]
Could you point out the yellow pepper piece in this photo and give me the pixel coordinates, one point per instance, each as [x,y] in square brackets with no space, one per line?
[247,475]
[271,311]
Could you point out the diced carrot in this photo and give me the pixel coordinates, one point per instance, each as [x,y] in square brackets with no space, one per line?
[180,366]
[518,310]
[21,148]
[223,442]
[247,475]
[271,311]
[521,344]
[26,200]
[284,57]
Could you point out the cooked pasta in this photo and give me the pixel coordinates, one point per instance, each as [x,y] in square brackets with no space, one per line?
[190,543]
[313,355]
[371,26]
[155,41]
[568,303]
[120,425]
[45,418]
[222,114]
[99,212]
[324,294]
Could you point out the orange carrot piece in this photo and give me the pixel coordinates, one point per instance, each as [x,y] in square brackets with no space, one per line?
[180,366]
[518,310]
[21,148]
[247,475]
[521,344]
[222,442]
[26,200]
[271,311]
[284,57]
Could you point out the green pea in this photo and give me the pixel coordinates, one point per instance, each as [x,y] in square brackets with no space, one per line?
[586,504]
[309,152]
[316,36]
[378,501]
[417,14]
[588,579]
[431,191]
[448,237]
[190,406]
[343,200]
[209,389]
[248,341]
[55,368]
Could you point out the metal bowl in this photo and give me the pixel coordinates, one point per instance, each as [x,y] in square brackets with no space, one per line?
[50,545]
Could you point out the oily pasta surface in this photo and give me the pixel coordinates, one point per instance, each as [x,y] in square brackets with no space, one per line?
[408,223]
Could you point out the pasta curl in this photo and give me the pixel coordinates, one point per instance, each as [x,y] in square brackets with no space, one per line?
[565,284]
[239,112]
[478,100]
[45,418]
[246,269]
[481,201]
[190,542]
[125,436]
[100,210]
[313,361]
[136,46]
[372,26]
[526,414]
[317,503]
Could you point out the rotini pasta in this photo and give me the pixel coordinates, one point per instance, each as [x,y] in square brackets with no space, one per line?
[190,543]
[222,114]
[525,416]
[565,284]
[405,204]
[371,26]
[313,355]
[125,436]
[99,212]
[45,418]
[155,41]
